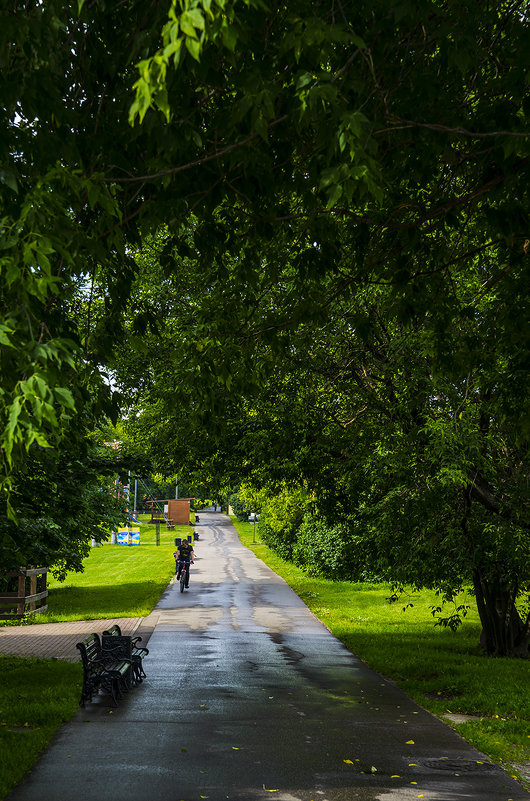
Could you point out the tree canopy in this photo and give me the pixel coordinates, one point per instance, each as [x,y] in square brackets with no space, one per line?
[299,230]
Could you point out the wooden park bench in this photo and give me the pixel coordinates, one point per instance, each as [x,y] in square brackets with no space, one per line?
[119,645]
[102,671]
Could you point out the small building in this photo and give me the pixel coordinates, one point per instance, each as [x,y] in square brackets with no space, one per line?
[176,511]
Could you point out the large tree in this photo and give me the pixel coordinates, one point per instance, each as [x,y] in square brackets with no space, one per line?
[410,435]
[407,122]
[62,500]
[297,156]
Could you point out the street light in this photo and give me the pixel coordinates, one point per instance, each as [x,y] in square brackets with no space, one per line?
[253,517]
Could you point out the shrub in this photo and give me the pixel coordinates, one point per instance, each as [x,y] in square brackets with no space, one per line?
[281,517]
[332,551]
[239,506]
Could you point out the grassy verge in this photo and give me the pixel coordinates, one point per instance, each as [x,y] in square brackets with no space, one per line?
[444,672]
[36,697]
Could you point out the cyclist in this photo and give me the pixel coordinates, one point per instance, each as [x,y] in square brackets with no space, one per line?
[184,555]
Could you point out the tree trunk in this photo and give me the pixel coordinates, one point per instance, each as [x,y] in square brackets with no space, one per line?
[504,632]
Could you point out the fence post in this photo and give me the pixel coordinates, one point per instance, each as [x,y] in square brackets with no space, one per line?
[32,591]
[21,593]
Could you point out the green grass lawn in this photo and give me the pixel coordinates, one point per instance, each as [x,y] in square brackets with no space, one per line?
[444,671]
[36,697]
[118,580]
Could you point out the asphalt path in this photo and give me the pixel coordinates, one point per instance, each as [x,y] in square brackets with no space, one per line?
[249,697]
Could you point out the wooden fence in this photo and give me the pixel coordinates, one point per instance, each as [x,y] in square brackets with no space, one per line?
[15,603]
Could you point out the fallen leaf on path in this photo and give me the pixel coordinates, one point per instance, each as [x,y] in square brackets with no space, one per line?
[348,761]
[410,742]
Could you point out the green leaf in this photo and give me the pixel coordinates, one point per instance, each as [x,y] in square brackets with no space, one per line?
[8,178]
[4,338]
[14,414]
[196,18]
[194,48]
[229,37]
[187,26]
[64,397]
[334,196]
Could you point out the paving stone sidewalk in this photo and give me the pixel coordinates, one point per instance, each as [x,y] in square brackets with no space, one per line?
[58,640]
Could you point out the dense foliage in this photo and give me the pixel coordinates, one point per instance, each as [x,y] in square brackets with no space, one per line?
[238,506]
[371,338]
[296,235]
[281,517]
[63,499]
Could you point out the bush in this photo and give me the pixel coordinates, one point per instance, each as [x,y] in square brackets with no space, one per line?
[240,510]
[331,551]
[281,517]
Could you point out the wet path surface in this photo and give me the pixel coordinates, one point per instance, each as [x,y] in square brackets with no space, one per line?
[248,696]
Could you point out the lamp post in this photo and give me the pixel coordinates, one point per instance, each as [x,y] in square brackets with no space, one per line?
[254,516]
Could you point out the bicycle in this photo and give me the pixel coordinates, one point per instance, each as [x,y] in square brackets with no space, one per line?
[184,566]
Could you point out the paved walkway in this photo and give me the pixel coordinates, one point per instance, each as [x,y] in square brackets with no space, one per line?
[249,697]
[57,640]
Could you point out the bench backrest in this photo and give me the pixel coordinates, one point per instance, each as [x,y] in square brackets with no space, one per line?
[113,631]
[90,649]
